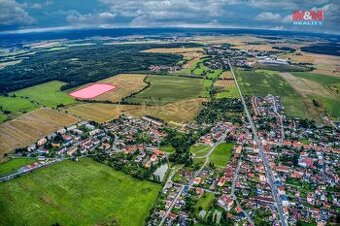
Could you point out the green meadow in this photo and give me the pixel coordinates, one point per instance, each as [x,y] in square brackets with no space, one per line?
[76,193]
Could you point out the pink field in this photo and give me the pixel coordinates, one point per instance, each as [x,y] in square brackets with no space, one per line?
[92,91]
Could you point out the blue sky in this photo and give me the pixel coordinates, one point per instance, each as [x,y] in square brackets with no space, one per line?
[38,15]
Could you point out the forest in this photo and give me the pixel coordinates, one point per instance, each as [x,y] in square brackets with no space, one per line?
[80,65]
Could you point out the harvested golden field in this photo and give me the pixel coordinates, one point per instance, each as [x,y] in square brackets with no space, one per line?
[125,85]
[234,40]
[226,75]
[96,111]
[182,111]
[254,47]
[224,84]
[29,127]
[324,64]
[186,52]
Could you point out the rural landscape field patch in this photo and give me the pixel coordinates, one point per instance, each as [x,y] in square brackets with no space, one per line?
[29,127]
[46,94]
[76,193]
[181,111]
[92,91]
[167,89]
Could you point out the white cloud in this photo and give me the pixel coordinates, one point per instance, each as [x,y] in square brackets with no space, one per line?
[268,16]
[13,13]
[97,19]
[288,19]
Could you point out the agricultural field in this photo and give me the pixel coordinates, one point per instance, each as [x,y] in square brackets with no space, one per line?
[46,94]
[226,89]
[226,75]
[320,91]
[324,64]
[76,193]
[168,89]
[13,165]
[222,154]
[192,52]
[95,111]
[29,127]
[14,107]
[262,83]
[125,84]
[181,111]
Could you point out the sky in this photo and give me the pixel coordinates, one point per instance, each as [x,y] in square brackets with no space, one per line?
[44,15]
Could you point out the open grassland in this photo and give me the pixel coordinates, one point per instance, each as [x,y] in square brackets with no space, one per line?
[226,89]
[29,127]
[262,83]
[167,148]
[14,106]
[125,85]
[320,92]
[14,164]
[76,193]
[222,154]
[324,64]
[205,202]
[47,94]
[167,89]
[182,111]
[199,150]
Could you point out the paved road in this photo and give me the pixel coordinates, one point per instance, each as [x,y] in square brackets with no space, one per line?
[280,118]
[268,171]
[191,182]
[233,192]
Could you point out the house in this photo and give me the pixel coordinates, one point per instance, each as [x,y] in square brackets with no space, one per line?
[153,158]
[221,181]
[71,127]
[61,131]
[94,132]
[31,148]
[197,180]
[77,131]
[72,150]
[41,142]
[90,127]
[226,202]
[238,149]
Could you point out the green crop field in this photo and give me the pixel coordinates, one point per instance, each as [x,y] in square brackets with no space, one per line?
[47,94]
[14,164]
[265,82]
[167,89]
[222,154]
[76,193]
[322,79]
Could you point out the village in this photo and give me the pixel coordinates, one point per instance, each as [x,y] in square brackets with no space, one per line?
[305,166]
